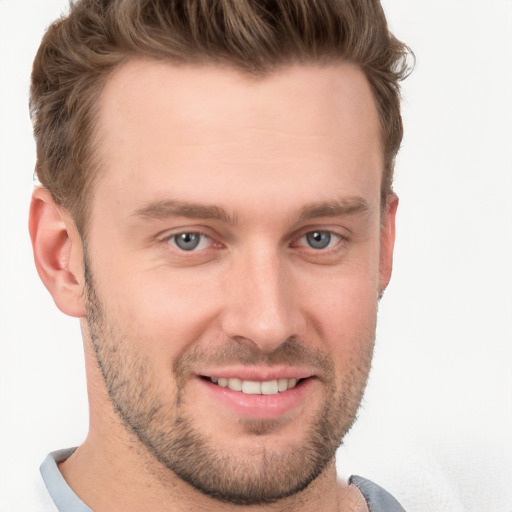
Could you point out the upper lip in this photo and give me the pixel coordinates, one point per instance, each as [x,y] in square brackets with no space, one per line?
[257,374]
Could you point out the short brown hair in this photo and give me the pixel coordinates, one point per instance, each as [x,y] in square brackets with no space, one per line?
[79,52]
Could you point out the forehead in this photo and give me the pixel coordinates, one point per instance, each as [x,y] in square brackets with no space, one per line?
[203,129]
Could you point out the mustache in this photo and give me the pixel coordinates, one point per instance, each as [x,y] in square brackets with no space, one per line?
[292,352]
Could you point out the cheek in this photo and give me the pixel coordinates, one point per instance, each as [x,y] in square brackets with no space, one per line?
[169,310]
[348,335]
[345,293]
[342,310]
[347,318]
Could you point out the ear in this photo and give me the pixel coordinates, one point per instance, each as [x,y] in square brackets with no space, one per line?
[387,241]
[58,253]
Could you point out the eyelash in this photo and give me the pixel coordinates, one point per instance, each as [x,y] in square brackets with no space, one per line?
[172,239]
[322,232]
[338,239]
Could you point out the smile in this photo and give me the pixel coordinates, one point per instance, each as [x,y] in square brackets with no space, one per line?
[250,387]
[260,393]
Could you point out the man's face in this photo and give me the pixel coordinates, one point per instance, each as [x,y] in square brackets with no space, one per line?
[234,267]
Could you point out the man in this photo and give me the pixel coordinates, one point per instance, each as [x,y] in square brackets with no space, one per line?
[216,208]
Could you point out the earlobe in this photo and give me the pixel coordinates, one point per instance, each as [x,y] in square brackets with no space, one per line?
[57,250]
[387,242]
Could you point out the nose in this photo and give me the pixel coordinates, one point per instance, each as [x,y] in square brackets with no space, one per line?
[261,306]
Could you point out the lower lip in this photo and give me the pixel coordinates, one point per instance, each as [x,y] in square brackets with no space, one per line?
[261,406]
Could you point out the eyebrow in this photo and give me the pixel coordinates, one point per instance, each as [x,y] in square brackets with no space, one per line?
[165,209]
[337,208]
[171,208]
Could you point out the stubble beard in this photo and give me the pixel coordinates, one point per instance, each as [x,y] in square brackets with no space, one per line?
[162,426]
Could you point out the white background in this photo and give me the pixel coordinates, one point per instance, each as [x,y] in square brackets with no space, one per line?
[435,428]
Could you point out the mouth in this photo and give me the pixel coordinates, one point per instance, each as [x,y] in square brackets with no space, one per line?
[253,387]
[260,393]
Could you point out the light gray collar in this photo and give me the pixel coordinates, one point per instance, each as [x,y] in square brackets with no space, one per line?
[62,495]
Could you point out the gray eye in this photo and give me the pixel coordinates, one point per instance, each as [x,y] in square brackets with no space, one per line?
[318,239]
[187,241]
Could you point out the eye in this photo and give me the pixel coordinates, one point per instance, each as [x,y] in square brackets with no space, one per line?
[320,239]
[190,241]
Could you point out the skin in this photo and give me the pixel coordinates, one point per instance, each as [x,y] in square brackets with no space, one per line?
[259,164]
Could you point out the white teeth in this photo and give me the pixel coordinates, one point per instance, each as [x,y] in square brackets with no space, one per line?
[235,384]
[269,388]
[249,387]
[282,384]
